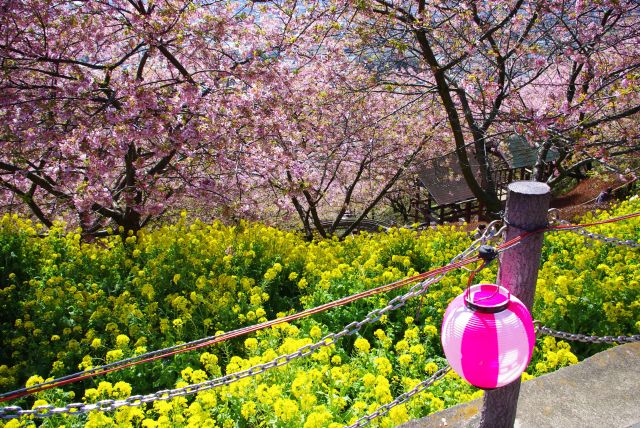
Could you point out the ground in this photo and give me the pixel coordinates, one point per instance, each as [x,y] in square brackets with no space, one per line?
[581,199]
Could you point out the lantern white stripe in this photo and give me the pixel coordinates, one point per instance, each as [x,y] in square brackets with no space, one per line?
[523,314]
[452,334]
[513,347]
[488,344]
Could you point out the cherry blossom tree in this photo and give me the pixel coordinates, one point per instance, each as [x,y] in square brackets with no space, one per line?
[553,70]
[586,102]
[344,144]
[116,110]
[121,111]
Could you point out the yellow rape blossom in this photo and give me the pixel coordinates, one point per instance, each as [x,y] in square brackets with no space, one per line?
[319,418]
[362,345]
[122,340]
[383,365]
[248,409]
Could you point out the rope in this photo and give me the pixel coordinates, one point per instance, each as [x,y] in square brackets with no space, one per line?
[208,341]
[540,329]
[563,227]
[14,411]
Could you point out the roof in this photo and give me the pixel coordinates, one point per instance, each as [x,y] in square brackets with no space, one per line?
[443,178]
[519,154]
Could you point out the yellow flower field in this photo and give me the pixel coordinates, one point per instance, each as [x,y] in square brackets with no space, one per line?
[68,306]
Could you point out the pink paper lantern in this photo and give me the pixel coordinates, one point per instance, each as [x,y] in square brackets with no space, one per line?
[488,336]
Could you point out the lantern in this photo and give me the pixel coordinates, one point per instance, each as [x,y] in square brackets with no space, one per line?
[488,336]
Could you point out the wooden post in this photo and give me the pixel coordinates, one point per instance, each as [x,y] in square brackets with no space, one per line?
[428,213]
[527,207]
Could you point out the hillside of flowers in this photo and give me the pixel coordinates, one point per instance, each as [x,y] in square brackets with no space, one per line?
[67,305]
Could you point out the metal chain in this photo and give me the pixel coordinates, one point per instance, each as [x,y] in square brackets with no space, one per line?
[554,218]
[494,230]
[12,412]
[109,405]
[384,409]
[602,238]
[491,232]
[584,337]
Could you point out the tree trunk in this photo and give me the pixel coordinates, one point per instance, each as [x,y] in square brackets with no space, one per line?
[487,199]
[539,170]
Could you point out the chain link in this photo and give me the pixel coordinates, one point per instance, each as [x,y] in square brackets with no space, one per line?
[402,398]
[328,340]
[603,238]
[491,232]
[540,329]
[13,412]
[554,217]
